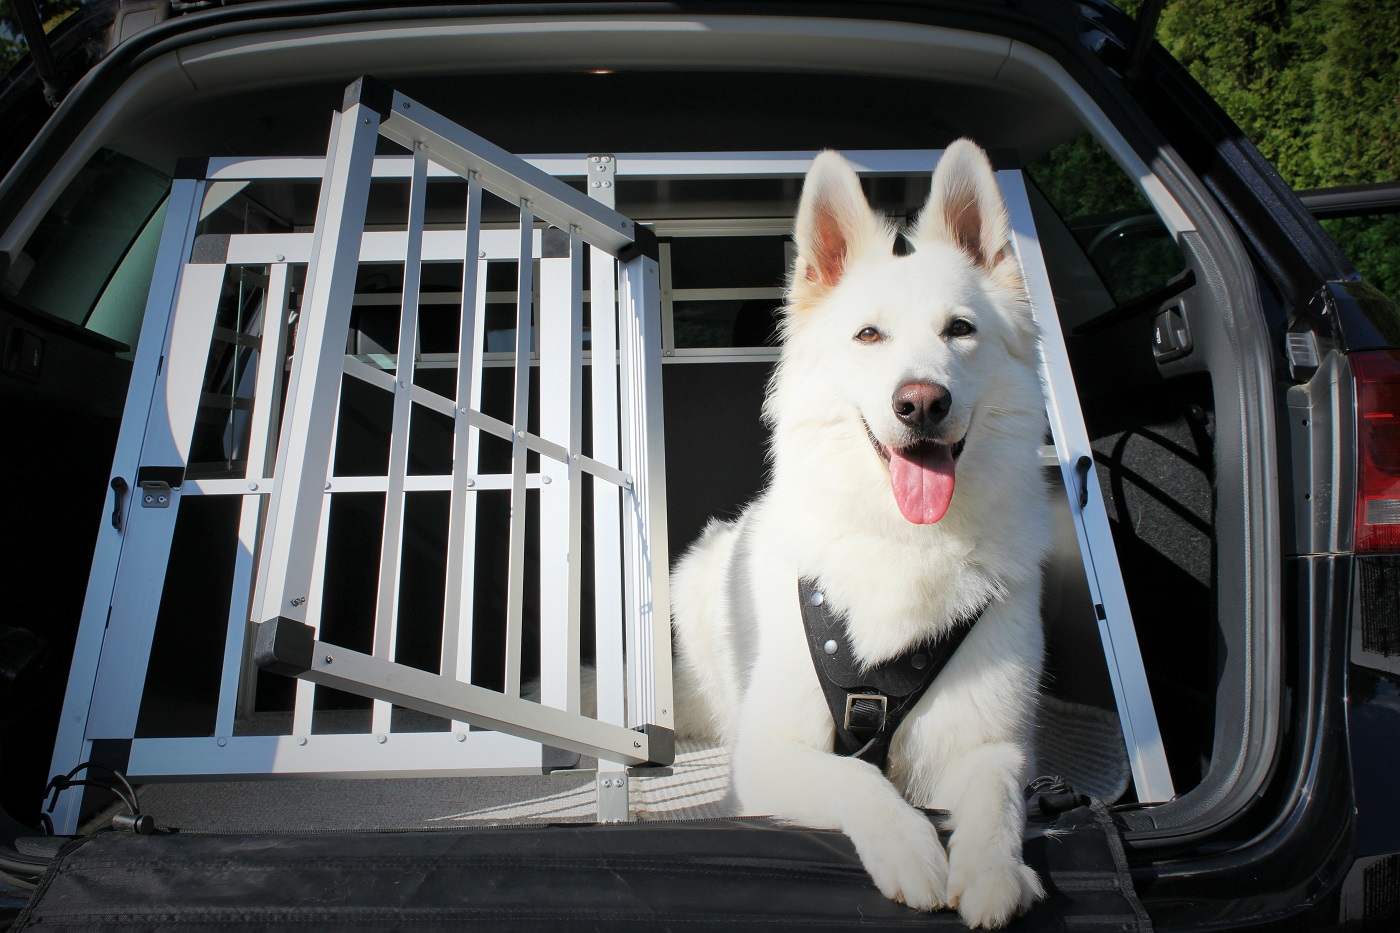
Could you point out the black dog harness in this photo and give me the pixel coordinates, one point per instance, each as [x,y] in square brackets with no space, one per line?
[868,704]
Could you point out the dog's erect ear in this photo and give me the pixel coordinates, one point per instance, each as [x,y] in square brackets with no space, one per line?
[834,224]
[965,207]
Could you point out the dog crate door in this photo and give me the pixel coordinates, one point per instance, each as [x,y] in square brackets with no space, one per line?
[363,456]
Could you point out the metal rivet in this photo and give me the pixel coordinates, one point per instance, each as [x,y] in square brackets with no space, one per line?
[636,744]
[461,737]
[918,661]
[406,105]
[301,740]
[817,598]
[329,659]
[366,121]
[481,254]
[547,480]
[470,483]
[381,738]
[328,484]
[597,184]
[422,147]
[607,184]
[150,498]
[607,158]
[222,741]
[253,487]
[403,383]
[281,258]
[830,646]
[595,159]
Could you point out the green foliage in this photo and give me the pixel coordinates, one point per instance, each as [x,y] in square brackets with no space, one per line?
[1373,243]
[1315,84]
[12,44]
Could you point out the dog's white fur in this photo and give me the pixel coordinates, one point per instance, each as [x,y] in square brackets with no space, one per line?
[829,513]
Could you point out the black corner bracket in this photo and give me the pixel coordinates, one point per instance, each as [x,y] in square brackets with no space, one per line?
[661,745]
[284,646]
[372,93]
[644,243]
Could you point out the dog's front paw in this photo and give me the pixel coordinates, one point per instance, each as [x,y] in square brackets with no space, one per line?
[990,891]
[904,857]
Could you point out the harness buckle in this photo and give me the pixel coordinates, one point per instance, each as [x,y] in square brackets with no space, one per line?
[865,712]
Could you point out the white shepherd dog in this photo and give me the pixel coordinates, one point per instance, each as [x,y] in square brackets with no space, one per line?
[898,375]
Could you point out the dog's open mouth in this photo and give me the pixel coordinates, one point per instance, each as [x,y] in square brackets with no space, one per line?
[921,476]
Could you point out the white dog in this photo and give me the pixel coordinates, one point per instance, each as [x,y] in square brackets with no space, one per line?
[907,491]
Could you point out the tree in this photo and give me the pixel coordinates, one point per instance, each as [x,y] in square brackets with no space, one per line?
[12,44]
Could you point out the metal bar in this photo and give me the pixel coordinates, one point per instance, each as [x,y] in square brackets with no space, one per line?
[458,609]
[611,675]
[561,375]
[304,452]
[70,744]
[515,584]
[260,436]
[253,249]
[365,675]
[140,582]
[409,123]
[1125,668]
[405,754]
[643,456]
[386,618]
[304,702]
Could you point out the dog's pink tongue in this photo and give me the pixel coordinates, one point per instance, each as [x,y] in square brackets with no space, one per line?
[922,478]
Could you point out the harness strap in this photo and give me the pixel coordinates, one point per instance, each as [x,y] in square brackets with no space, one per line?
[868,703]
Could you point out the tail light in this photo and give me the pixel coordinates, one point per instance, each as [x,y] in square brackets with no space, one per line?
[1377,375]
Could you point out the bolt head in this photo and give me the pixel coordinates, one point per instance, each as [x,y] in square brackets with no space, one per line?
[222,741]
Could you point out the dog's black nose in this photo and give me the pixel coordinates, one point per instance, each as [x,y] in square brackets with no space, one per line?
[921,405]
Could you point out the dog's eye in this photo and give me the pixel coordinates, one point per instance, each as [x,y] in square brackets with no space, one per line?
[868,335]
[960,328]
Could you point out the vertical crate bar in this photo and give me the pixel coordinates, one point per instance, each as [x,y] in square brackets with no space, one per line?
[561,375]
[304,704]
[643,457]
[461,536]
[607,498]
[1141,733]
[386,615]
[260,438]
[136,597]
[515,584]
[304,450]
[70,744]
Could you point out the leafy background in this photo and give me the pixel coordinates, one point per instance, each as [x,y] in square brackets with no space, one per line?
[1314,83]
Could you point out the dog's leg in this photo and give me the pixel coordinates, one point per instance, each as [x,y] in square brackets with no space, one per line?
[987,880]
[896,843]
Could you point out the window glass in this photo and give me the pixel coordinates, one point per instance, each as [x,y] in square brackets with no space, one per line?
[1372,243]
[90,260]
[1130,248]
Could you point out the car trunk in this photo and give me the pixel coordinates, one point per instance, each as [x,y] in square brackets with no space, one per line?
[1178,435]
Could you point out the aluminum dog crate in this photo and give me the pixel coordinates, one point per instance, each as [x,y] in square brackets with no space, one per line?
[278,468]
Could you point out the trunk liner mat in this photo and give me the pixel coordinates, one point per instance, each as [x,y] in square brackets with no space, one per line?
[722,873]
